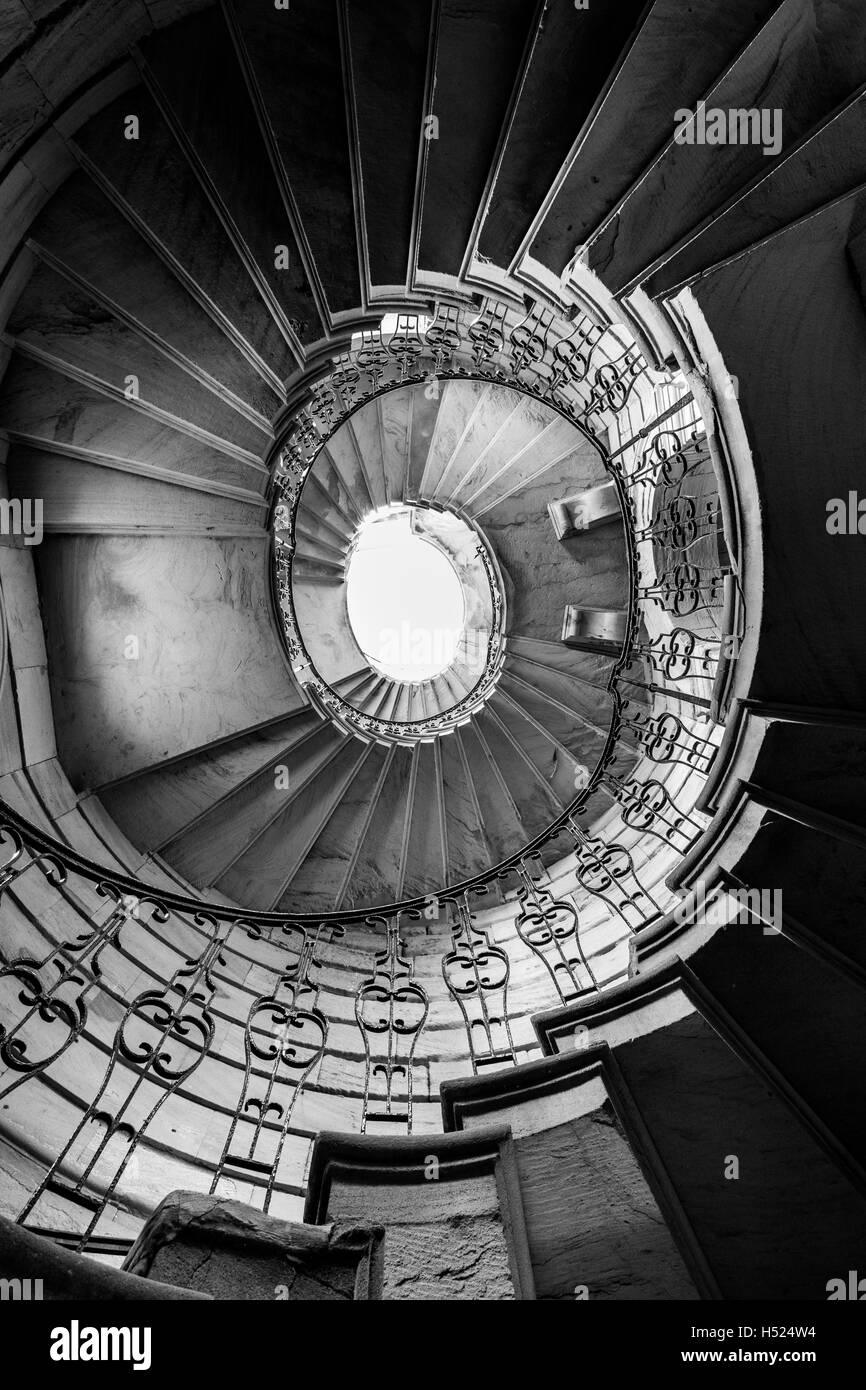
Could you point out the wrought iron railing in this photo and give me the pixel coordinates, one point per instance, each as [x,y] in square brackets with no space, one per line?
[579,369]
[252,1015]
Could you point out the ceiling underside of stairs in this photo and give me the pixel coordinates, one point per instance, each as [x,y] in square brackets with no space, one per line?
[276,198]
[175,703]
[272,188]
[169,290]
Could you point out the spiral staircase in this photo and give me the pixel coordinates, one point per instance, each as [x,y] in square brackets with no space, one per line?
[577,915]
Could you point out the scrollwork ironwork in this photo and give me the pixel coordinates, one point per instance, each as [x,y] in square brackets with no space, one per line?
[477,975]
[390,1009]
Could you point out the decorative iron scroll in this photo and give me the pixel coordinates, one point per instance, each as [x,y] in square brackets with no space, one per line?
[16,864]
[147,1049]
[160,1041]
[580,369]
[664,738]
[390,1010]
[679,655]
[649,807]
[55,989]
[549,927]
[285,1038]
[607,871]
[477,976]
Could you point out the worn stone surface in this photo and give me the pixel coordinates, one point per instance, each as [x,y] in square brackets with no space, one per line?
[606,163]
[388,46]
[207,663]
[591,1216]
[788,1222]
[464,1257]
[443,1240]
[230,1250]
[66,1276]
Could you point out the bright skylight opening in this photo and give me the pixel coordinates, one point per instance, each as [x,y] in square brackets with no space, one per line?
[405,600]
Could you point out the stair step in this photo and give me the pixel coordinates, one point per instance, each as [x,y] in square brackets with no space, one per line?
[316,885]
[377,869]
[520,433]
[468,851]
[60,319]
[359,491]
[811,273]
[321,500]
[735,984]
[527,785]
[525,482]
[388,49]
[571,53]
[164,213]
[312,547]
[188,71]
[503,829]
[157,805]
[550,755]
[318,534]
[309,129]
[425,869]
[784,192]
[263,875]
[612,149]
[425,410]
[365,430]
[395,423]
[801,82]
[562,716]
[492,409]
[40,402]
[486,40]
[785,1260]
[100,495]
[205,853]
[459,400]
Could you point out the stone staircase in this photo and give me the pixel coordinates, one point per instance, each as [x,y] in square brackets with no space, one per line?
[660,1101]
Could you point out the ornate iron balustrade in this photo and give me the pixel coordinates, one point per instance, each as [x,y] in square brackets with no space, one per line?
[677,561]
[285,1037]
[167,1032]
[660,689]
[579,369]
[477,974]
[390,1006]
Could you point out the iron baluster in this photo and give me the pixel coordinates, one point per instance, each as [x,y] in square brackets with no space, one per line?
[486,335]
[477,976]
[551,929]
[406,345]
[646,806]
[607,871]
[664,738]
[285,1037]
[443,335]
[63,999]
[390,1008]
[185,1021]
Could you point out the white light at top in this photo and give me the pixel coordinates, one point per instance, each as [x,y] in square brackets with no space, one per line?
[404,598]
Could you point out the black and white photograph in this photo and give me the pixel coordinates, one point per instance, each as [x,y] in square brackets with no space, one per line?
[432,674]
